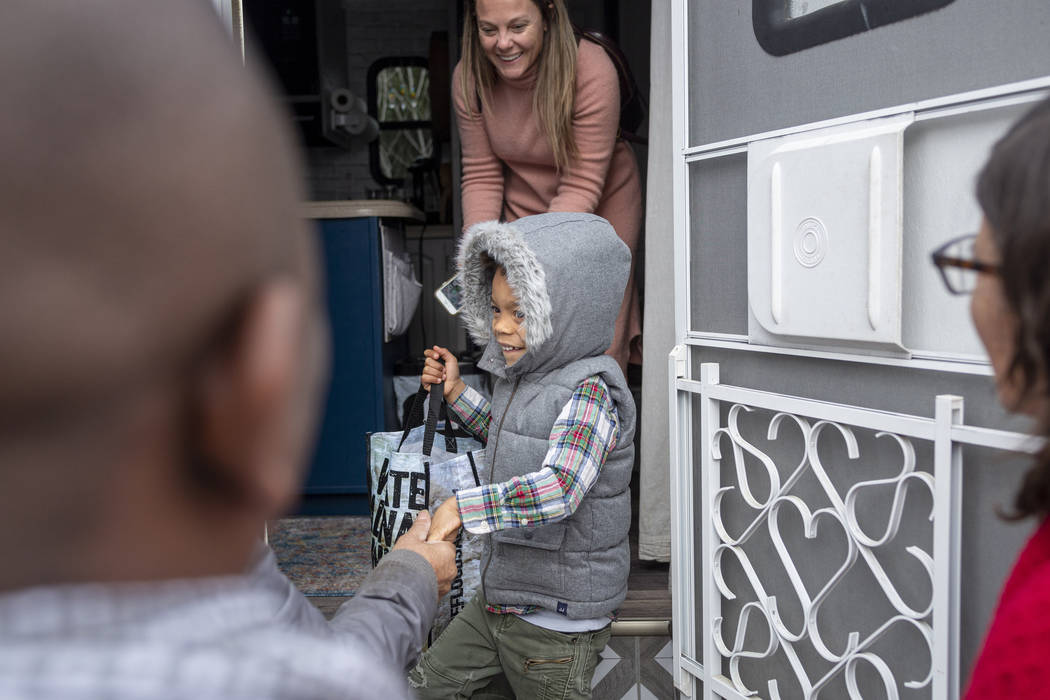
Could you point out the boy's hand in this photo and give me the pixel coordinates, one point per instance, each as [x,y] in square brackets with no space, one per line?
[445,525]
[439,554]
[434,371]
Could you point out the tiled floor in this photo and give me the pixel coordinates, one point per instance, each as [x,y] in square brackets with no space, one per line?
[634,668]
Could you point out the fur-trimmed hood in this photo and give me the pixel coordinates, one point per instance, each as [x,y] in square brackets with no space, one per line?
[569,272]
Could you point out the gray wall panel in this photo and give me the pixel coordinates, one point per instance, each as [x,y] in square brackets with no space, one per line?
[738,89]
[718,255]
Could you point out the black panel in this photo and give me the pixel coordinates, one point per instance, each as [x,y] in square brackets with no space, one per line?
[780,34]
[286,31]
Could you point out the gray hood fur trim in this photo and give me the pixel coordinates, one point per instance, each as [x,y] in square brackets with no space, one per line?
[504,244]
[568,271]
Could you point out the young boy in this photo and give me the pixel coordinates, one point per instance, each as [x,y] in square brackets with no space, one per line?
[541,294]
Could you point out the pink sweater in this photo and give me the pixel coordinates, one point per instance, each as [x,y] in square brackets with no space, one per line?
[1015,659]
[507,159]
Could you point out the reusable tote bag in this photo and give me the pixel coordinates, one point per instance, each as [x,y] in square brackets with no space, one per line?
[408,473]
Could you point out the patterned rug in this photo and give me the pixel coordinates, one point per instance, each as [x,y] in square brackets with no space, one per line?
[323,556]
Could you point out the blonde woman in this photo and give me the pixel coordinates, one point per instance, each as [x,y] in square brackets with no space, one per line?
[538,116]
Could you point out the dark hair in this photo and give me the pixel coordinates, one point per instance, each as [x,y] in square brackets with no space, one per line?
[1013,190]
[489,265]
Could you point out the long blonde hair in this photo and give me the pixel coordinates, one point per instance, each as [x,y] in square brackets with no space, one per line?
[555,94]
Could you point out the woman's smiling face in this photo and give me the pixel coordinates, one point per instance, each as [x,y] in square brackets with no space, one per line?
[511,34]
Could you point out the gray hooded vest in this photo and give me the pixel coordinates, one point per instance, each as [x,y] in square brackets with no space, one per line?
[568,272]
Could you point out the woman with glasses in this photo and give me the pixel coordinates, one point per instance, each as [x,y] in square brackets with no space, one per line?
[1005,266]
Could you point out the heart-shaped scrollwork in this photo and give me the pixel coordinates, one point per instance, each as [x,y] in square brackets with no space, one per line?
[764,608]
[810,606]
[901,482]
[736,652]
[839,505]
[740,445]
[849,664]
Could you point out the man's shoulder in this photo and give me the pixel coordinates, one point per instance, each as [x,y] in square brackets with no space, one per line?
[228,637]
[273,663]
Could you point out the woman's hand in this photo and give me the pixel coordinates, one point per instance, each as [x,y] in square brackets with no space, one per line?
[446,522]
[442,366]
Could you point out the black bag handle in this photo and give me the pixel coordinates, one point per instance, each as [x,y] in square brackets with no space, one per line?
[450,430]
[437,407]
[415,414]
[437,395]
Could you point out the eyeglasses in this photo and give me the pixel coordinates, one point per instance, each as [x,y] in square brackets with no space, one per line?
[958,268]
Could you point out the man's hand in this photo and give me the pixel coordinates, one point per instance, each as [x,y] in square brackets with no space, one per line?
[442,366]
[441,555]
[446,522]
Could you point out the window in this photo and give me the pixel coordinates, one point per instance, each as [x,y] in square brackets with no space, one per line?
[399,99]
[787,26]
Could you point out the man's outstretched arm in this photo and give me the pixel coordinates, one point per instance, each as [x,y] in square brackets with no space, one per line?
[394,608]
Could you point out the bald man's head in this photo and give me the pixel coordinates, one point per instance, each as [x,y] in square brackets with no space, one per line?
[147,185]
[160,343]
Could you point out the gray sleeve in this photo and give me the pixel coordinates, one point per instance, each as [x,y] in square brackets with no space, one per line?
[393,610]
[390,614]
[295,610]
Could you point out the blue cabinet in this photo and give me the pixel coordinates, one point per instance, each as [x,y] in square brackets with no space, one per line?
[359,397]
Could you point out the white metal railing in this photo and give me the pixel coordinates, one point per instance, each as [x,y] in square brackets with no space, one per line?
[936,619]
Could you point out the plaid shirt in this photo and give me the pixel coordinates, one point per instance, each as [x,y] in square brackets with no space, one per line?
[583,435]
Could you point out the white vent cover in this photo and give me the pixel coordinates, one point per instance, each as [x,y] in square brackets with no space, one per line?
[824,236]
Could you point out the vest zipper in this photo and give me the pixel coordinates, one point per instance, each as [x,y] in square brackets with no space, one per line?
[492,462]
[492,471]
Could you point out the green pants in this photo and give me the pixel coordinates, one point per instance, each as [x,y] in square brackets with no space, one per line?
[484,655]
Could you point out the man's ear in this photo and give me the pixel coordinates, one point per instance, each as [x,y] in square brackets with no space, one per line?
[249,433]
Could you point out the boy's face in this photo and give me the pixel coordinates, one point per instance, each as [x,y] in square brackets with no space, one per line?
[508,323]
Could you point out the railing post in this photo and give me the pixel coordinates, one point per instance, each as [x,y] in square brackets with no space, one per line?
[947,551]
[683,634]
[710,479]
